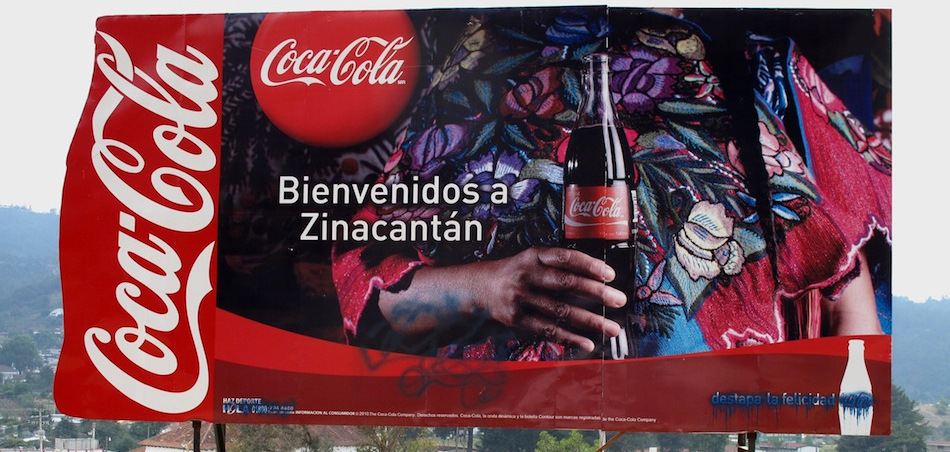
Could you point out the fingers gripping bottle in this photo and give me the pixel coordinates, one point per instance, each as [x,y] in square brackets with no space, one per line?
[599,211]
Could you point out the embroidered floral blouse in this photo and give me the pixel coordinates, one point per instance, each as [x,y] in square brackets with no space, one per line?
[710,273]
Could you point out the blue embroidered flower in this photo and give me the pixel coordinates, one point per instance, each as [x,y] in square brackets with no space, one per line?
[494,168]
[574,28]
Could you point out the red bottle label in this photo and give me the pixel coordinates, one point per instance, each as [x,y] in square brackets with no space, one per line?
[597,212]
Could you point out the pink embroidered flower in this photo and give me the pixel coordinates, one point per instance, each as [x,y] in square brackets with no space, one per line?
[733,152]
[816,90]
[707,81]
[777,155]
[537,96]
[870,145]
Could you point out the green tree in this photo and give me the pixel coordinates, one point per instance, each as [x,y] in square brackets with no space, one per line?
[66,429]
[574,442]
[41,383]
[909,430]
[21,353]
[445,432]
[9,442]
[381,439]
[272,438]
[424,442]
[402,439]
[111,435]
[699,442]
[142,430]
[507,440]
[706,441]
[632,441]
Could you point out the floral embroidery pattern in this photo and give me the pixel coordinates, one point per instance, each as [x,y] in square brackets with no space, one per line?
[778,156]
[490,133]
[704,246]
[499,109]
[827,105]
[655,308]
[642,76]
[503,168]
[708,81]
[536,96]
[434,145]
[465,56]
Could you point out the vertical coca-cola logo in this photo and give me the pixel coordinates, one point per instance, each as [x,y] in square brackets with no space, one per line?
[156,179]
[334,79]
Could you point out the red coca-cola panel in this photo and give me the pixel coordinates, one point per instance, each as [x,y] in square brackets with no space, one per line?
[334,78]
[599,212]
[139,223]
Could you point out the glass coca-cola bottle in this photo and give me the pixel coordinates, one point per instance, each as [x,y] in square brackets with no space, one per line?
[855,399]
[599,216]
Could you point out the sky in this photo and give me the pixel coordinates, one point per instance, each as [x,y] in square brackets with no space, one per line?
[49,55]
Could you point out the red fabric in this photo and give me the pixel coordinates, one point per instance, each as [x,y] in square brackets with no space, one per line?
[853,180]
[855,192]
[358,282]
[738,314]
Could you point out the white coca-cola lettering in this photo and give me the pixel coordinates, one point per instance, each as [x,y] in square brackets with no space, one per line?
[606,207]
[153,265]
[347,65]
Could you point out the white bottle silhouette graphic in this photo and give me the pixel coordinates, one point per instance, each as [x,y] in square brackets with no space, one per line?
[855,400]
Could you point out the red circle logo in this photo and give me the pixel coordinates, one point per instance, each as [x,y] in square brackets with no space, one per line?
[334,78]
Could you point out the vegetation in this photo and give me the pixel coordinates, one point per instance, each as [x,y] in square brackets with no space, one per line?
[908,430]
[574,442]
[21,353]
[397,439]
[273,438]
[504,439]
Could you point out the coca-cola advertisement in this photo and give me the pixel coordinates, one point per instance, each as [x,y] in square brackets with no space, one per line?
[619,219]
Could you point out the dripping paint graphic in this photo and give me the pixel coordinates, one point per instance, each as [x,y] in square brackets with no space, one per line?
[855,399]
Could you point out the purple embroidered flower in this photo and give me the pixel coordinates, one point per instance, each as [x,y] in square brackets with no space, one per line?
[779,156]
[491,169]
[573,28]
[407,213]
[538,96]
[643,76]
[429,149]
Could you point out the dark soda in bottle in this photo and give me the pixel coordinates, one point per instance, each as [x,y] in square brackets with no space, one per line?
[599,211]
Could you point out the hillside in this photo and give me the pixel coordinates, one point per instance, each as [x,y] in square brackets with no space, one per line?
[921,360]
[29,272]
[27,234]
[29,247]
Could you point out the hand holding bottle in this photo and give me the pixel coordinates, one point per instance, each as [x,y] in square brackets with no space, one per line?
[600,208]
[533,291]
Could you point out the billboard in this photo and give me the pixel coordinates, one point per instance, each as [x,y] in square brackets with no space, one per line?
[359,218]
